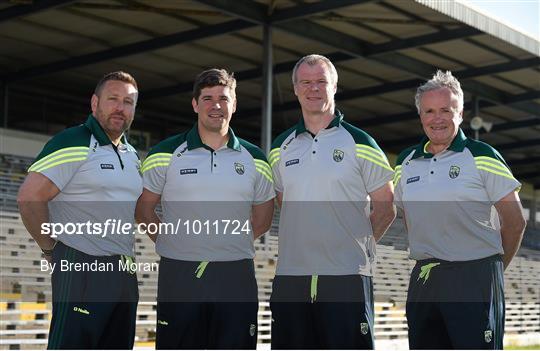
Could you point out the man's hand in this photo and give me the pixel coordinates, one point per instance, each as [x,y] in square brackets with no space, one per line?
[512,225]
[34,194]
[384,211]
[145,212]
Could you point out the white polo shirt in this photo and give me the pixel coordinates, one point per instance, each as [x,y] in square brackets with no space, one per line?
[98,182]
[448,199]
[326,179]
[207,195]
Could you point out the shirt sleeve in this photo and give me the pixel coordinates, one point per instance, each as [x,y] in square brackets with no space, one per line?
[398,191]
[58,163]
[374,166]
[154,170]
[496,176]
[274,157]
[264,183]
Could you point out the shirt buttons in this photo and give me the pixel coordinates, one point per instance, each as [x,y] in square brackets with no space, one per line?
[316,140]
[215,165]
[435,160]
[215,153]
[431,172]
[313,152]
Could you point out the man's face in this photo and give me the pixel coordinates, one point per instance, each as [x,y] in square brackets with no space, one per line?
[315,88]
[215,107]
[114,108]
[440,116]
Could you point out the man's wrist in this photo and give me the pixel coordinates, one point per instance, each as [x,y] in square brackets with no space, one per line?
[49,252]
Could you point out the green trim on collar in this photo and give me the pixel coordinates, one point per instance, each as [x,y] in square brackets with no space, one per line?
[301,127]
[194,140]
[457,145]
[95,128]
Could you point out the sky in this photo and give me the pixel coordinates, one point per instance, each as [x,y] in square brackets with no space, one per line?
[523,15]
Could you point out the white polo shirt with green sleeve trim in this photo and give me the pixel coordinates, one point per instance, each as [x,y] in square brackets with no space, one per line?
[326,179]
[448,199]
[207,195]
[98,181]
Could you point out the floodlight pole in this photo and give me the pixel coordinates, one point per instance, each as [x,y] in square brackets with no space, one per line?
[5,103]
[266,132]
[266,125]
[476,112]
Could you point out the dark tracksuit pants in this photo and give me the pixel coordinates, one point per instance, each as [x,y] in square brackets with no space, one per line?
[92,309]
[207,305]
[456,305]
[322,312]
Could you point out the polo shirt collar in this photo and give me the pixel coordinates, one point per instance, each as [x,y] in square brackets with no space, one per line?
[338,118]
[194,140]
[457,145]
[97,131]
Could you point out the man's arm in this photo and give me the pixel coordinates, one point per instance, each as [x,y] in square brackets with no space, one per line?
[512,225]
[261,218]
[145,211]
[34,194]
[384,211]
[279,198]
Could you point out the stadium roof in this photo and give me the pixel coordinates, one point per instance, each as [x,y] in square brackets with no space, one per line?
[53,53]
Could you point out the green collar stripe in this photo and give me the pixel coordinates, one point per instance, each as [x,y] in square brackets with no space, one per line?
[457,145]
[301,127]
[95,128]
[194,140]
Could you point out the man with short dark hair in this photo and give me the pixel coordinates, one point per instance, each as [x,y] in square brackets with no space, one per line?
[89,174]
[218,191]
[327,173]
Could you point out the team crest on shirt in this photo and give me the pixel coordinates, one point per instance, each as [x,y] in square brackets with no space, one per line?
[488,335]
[338,155]
[453,172]
[239,168]
[364,328]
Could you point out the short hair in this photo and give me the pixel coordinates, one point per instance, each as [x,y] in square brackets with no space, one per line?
[440,80]
[118,75]
[312,60]
[211,78]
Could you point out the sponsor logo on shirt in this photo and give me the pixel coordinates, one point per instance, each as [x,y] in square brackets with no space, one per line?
[292,162]
[239,168]
[188,171]
[338,155]
[413,179]
[453,172]
[107,166]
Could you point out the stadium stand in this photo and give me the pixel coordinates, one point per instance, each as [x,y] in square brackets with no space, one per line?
[25,291]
